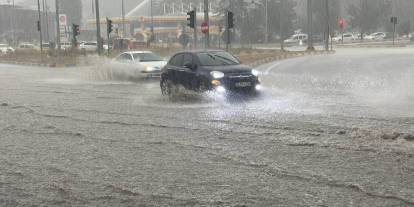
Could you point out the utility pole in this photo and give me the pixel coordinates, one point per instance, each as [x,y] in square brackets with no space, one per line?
[40,28]
[45,11]
[57,28]
[206,19]
[327,25]
[281,16]
[364,8]
[98,28]
[123,18]
[310,25]
[267,22]
[12,19]
[152,21]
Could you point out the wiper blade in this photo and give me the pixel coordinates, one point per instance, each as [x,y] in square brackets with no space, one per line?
[228,59]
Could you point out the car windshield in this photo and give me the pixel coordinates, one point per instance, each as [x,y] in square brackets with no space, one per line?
[146,57]
[217,59]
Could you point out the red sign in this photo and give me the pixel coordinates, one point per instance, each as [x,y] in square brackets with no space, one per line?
[204,27]
[342,23]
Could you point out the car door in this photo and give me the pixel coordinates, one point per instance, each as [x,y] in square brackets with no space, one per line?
[173,68]
[188,72]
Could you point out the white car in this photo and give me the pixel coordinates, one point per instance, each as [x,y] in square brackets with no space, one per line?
[89,46]
[4,49]
[296,39]
[139,64]
[348,37]
[376,36]
[27,46]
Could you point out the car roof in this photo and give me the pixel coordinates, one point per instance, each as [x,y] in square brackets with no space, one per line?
[200,51]
[137,52]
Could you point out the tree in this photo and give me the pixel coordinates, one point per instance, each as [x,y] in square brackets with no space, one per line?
[370,15]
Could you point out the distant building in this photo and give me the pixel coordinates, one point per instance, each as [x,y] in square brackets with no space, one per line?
[19,24]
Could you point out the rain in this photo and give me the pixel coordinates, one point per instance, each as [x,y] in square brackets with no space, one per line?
[206,103]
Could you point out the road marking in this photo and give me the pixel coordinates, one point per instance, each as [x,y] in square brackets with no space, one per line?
[277,64]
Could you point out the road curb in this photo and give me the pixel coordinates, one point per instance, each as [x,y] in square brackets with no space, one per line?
[290,55]
[372,46]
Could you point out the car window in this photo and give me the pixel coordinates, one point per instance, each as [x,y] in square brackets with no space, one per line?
[217,59]
[188,58]
[127,57]
[146,57]
[177,60]
[124,57]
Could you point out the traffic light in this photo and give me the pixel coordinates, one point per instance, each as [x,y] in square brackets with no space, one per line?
[75,30]
[109,25]
[230,20]
[38,26]
[191,19]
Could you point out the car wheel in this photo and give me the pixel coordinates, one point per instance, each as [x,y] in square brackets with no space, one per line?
[202,87]
[165,87]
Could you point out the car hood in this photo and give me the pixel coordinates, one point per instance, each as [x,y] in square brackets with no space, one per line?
[228,69]
[154,64]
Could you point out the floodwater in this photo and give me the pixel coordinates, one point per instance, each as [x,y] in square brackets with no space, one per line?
[332,130]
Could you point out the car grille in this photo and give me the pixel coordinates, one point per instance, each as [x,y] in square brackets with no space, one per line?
[231,80]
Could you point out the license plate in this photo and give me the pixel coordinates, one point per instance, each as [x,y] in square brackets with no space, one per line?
[243,84]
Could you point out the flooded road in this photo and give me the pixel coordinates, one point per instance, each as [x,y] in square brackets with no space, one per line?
[335,130]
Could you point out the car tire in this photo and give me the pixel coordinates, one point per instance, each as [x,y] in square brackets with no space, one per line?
[202,87]
[165,88]
[168,88]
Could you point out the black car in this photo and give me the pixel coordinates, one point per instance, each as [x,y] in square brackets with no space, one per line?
[208,70]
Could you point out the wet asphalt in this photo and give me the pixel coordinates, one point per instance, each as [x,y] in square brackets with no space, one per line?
[330,130]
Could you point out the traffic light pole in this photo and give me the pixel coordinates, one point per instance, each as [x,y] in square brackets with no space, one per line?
[108,32]
[195,28]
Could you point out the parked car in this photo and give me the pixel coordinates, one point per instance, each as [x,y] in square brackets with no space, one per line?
[296,39]
[376,36]
[5,49]
[27,46]
[89,46]
[211,70]
[348,37]
[139,64]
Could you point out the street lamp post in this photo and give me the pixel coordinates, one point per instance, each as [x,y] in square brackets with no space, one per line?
[123,19]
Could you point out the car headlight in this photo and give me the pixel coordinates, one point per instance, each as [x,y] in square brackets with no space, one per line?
[255,72]
[149,69]
[217,74]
